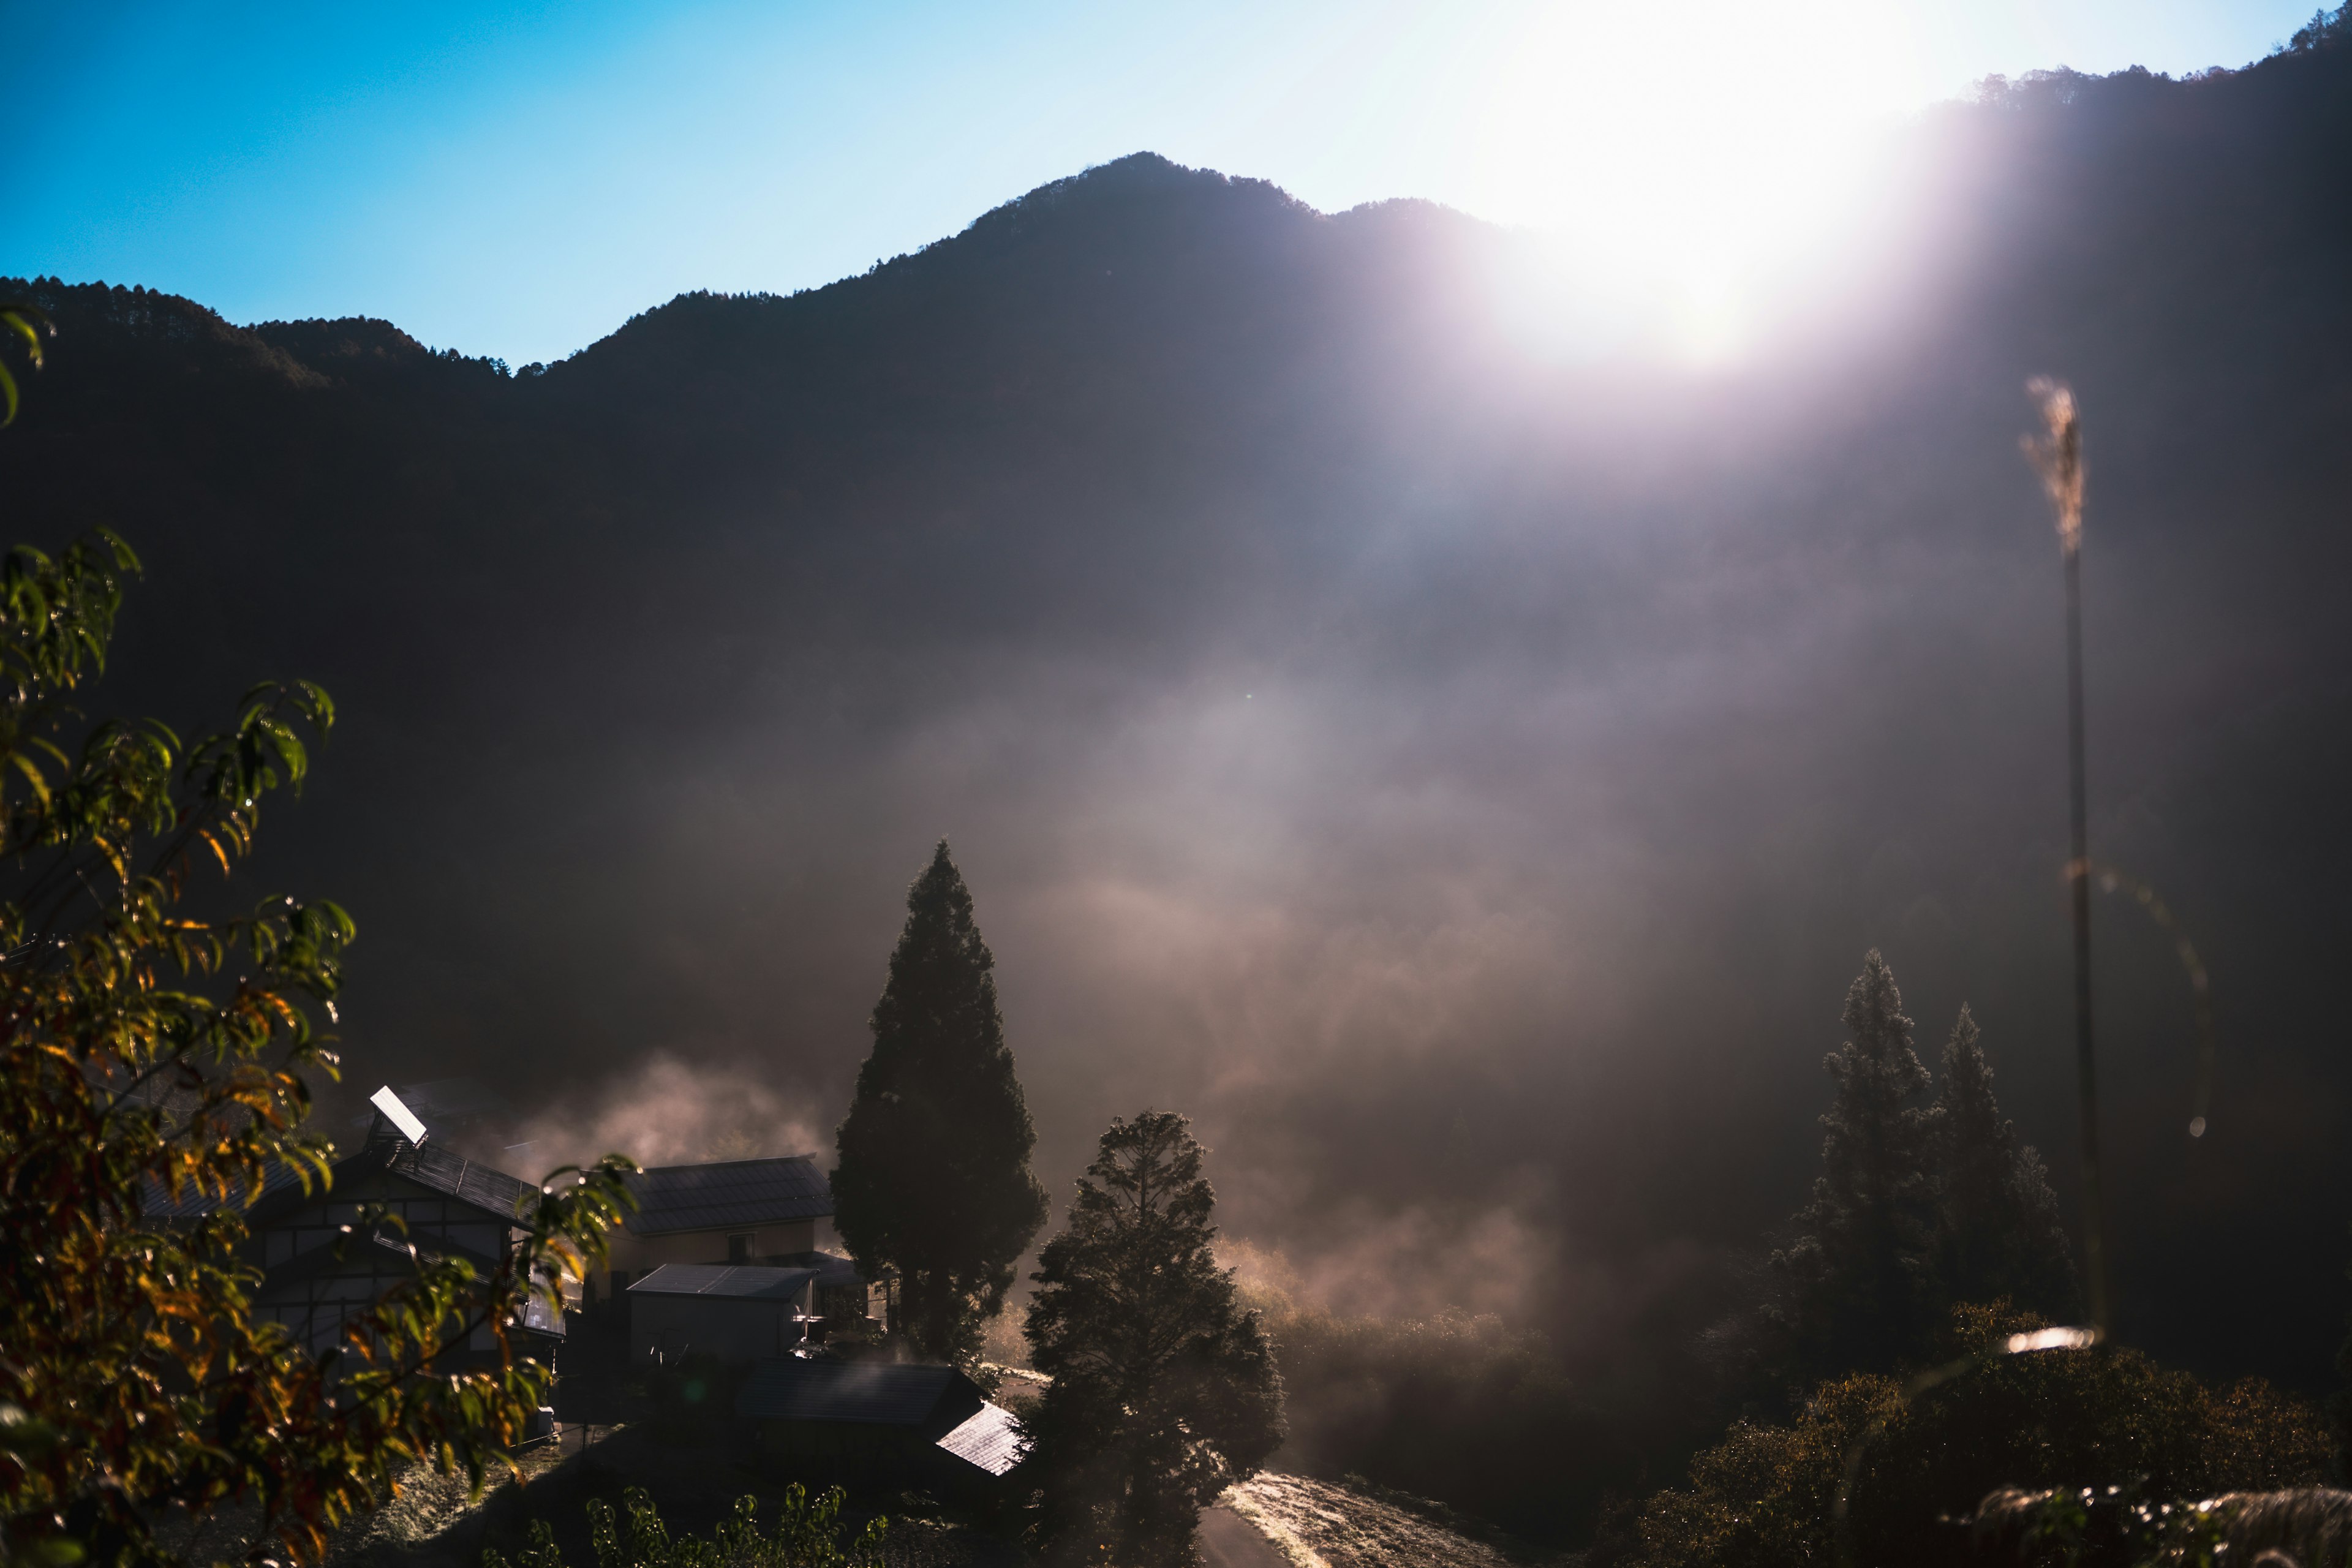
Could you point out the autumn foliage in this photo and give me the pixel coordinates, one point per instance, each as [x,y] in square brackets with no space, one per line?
[156,1070]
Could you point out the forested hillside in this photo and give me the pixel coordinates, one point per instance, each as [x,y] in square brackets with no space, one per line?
[1461,773]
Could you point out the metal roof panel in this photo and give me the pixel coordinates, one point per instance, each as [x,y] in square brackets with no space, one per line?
[735,1281]
[989,1439]
[728,1194]
[469,1181]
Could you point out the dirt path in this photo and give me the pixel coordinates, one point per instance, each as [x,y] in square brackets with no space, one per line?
[1229,1541]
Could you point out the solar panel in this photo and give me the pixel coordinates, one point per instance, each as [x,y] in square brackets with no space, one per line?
[383,1100]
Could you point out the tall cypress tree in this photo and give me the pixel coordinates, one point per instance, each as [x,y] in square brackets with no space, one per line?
[933,1178]
[1164,1391]
[1997,1232]
[1855,1283]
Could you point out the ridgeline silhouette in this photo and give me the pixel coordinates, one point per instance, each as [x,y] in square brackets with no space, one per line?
[1380,737]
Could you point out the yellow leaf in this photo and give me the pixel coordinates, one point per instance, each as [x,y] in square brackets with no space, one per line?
[32,772]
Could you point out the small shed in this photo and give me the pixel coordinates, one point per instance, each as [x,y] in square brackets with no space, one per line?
[734,1312]
[928,1426]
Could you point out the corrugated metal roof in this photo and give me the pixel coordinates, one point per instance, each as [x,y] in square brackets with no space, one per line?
[989,1438]
[877,1392]
[728,1194]
[469,1180]
[486,1187]
[739,1281]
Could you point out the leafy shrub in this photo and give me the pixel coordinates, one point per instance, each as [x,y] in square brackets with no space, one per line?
[808,1535]
[2066,1419]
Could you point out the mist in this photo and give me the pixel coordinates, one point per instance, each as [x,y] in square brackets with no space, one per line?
[1460,772]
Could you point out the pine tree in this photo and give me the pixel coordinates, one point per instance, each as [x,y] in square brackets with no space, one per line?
[1998,1232]
[1854,1284]
[1164,1390]
[933,1179]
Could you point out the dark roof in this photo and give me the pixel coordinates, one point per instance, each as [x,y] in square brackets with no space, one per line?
[990,1440]
[728,1194]
[486,1187]
[738,1281]
[877,1392]
[431,1166]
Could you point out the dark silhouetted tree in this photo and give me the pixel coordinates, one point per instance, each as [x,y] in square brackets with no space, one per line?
[933,1180]
[1998,1233]
[2324,28]
[1164,1389]
[1852,1286]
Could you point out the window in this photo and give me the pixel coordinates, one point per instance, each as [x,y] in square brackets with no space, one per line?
[739,1248]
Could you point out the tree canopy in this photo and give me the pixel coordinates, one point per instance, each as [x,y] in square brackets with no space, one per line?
[1998,1232]
[1164,1389]
[155,1068]
[933,1182]
[1857,1274]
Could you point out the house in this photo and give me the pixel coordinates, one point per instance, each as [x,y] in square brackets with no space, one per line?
[927,1426]
[734,1312]
[773,1213]
[319,1266]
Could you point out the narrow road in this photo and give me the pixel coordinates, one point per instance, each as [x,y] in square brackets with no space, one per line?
[1229,1541]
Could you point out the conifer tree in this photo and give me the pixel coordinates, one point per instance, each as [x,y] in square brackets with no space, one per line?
[1164,1391]
[1998,1232]
[1854,1284]
[933,1178]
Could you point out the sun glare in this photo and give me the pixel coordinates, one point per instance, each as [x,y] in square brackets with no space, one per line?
[1691,162]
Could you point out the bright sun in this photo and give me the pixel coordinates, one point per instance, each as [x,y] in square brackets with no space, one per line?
[1691,171]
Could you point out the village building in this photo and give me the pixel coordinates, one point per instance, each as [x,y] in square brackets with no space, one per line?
[320,1265]
[734,1312]
[773,1213]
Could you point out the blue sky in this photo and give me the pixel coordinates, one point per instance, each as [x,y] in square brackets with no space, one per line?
[516,179]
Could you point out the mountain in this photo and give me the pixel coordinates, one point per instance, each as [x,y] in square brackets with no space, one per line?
[1463,775]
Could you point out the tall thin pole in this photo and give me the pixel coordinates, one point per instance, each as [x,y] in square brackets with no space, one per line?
[2059,455]
[2086,1068]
